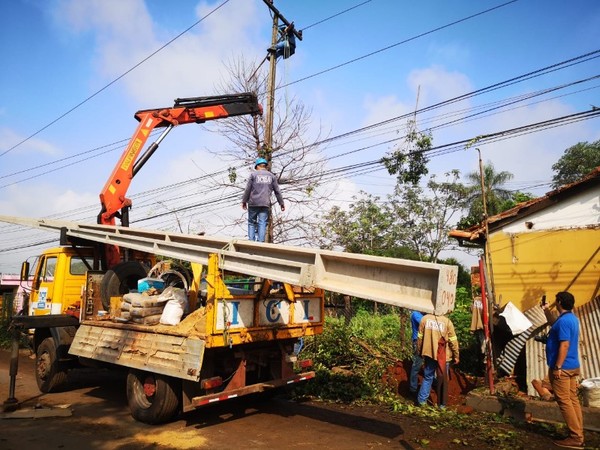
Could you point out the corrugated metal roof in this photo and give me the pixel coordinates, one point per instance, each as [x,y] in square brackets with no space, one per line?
[589,346]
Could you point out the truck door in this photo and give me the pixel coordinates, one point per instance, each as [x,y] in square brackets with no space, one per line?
[43,286]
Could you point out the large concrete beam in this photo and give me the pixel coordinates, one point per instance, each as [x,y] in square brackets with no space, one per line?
[411,284]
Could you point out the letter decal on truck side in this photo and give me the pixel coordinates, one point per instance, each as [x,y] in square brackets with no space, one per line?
[234,314]
[272,311]
[275,311]
[43,294]
[307,310]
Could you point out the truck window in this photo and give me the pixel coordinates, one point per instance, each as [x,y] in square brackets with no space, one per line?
[79,266]
[49,268]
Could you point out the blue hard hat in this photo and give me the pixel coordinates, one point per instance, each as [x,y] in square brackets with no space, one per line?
[260,161]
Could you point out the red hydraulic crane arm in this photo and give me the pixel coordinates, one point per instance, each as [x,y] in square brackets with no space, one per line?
[188,110]
[185,110]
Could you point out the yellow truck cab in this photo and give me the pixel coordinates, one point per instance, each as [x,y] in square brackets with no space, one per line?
[59,281]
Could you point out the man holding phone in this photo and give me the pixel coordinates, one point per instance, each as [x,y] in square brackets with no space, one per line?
[562,356]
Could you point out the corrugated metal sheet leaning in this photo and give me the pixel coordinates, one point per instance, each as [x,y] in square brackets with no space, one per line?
[589,346]
[508,357]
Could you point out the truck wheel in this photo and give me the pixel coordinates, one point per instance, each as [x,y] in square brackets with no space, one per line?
[152,398]
[120,280]
[50,374]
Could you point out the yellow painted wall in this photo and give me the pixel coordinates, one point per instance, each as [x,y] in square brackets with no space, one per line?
[528,265]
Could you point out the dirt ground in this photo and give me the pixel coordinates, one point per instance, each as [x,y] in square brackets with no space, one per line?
[459,384]
[98,419]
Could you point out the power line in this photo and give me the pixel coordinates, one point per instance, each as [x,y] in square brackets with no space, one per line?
[464,19]
[576,60]
[436,151]
[178,185]
[335,15]
[496,106]
[113,81]
[375,165]
[203,18]
[492,87]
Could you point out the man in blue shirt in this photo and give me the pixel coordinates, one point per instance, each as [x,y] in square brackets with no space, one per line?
[562,356]
[417,360]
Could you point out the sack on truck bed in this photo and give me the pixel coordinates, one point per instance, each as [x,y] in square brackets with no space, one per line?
[148,320]
[143,301]
[145,312]
[176,306]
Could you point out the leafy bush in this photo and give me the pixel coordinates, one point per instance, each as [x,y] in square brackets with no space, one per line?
[363,349]
[470,354]
[340,387]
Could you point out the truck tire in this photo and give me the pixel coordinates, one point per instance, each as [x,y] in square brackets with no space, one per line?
[50,373]
[152,398]
[120,280]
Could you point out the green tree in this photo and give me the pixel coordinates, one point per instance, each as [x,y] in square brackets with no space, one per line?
[576,162]
[408,161]
[363,228]
[412,224]
[515,199]
[495,193]
[424,217]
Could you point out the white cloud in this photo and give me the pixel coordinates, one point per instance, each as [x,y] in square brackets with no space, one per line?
[437,84]
[382,108]
[125,35]
[452,52]
[33,146]
[42,199]
[128,19]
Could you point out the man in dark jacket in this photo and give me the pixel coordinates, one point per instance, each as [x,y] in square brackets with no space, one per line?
[438,345]
[257,199]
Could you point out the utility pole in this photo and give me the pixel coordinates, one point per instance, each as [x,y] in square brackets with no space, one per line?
[487,249]
[267,150]
[268,137]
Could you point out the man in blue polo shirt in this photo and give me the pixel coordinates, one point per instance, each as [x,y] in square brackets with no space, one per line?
[562,356]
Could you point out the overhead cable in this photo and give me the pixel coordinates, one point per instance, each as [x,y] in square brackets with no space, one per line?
[113,81]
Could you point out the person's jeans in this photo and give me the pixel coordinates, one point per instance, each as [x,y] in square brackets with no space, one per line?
[258,216]
[417,363]
[565,394]
[430,366]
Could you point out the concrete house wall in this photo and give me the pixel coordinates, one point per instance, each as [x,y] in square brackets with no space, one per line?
[544,246]
[551,250]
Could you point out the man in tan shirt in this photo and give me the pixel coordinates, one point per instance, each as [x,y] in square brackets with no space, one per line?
[438,345]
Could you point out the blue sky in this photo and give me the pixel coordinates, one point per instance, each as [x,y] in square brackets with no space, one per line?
[58,53]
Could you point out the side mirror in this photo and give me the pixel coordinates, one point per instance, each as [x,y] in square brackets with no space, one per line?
[25,271]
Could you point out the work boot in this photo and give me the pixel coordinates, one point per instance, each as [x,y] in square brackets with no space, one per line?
[569,443]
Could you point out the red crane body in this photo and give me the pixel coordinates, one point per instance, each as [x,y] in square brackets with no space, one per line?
[185,110]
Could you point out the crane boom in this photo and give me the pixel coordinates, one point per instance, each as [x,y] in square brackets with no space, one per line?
[113,199]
